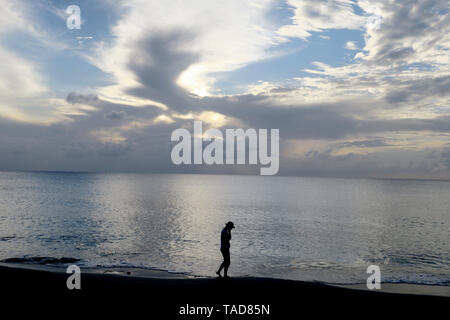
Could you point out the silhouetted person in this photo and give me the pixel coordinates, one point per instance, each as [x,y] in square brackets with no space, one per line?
[225,237]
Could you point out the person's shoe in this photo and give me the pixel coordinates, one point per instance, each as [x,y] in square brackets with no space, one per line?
[218,273]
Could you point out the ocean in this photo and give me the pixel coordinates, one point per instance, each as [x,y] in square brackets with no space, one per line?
[313,229]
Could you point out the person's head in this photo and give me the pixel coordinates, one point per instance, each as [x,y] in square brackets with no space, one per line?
[229,225]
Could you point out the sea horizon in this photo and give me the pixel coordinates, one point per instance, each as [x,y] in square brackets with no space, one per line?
[229,174]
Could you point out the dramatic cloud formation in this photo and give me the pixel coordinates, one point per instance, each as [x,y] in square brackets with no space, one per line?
[379,107]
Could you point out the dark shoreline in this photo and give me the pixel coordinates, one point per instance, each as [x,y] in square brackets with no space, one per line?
[130,295]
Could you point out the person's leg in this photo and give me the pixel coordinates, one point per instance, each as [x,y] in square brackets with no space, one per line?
[220,269]
[226,262]
[223,263]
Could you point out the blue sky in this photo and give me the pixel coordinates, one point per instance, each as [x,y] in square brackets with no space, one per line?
[298,55]
[356,87]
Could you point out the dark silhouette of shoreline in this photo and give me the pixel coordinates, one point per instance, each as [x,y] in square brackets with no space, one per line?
[44,292]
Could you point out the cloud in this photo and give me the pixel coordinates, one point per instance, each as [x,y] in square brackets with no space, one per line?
[222,39]
[387,163]
[375,143]
[351,45]
[16,16]
[411,31]
[23,90]
[318,16]
[114,149]
[74,98]
[412,90]
[384,114]
[159,61]
[116,115]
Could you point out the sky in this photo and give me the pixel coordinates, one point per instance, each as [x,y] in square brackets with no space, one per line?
[357,88]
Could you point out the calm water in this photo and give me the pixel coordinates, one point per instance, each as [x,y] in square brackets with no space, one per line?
[296,228]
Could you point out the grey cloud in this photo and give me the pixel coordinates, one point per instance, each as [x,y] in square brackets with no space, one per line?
[420,89]
[410,18]
[392,53]
[75,98]
[365,143]
[397,163]
[157,64]
[114,149]
[71,147]
[407,20]
[321,121]
[115,115]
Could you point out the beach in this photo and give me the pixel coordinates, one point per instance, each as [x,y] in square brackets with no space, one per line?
[148,246]
[163,295]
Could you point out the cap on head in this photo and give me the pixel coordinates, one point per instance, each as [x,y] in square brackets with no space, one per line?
[230,224]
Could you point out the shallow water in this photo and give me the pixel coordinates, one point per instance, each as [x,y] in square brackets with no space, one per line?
[286,227]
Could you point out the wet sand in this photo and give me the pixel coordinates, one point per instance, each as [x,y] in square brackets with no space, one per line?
[154,294]
[406,288]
